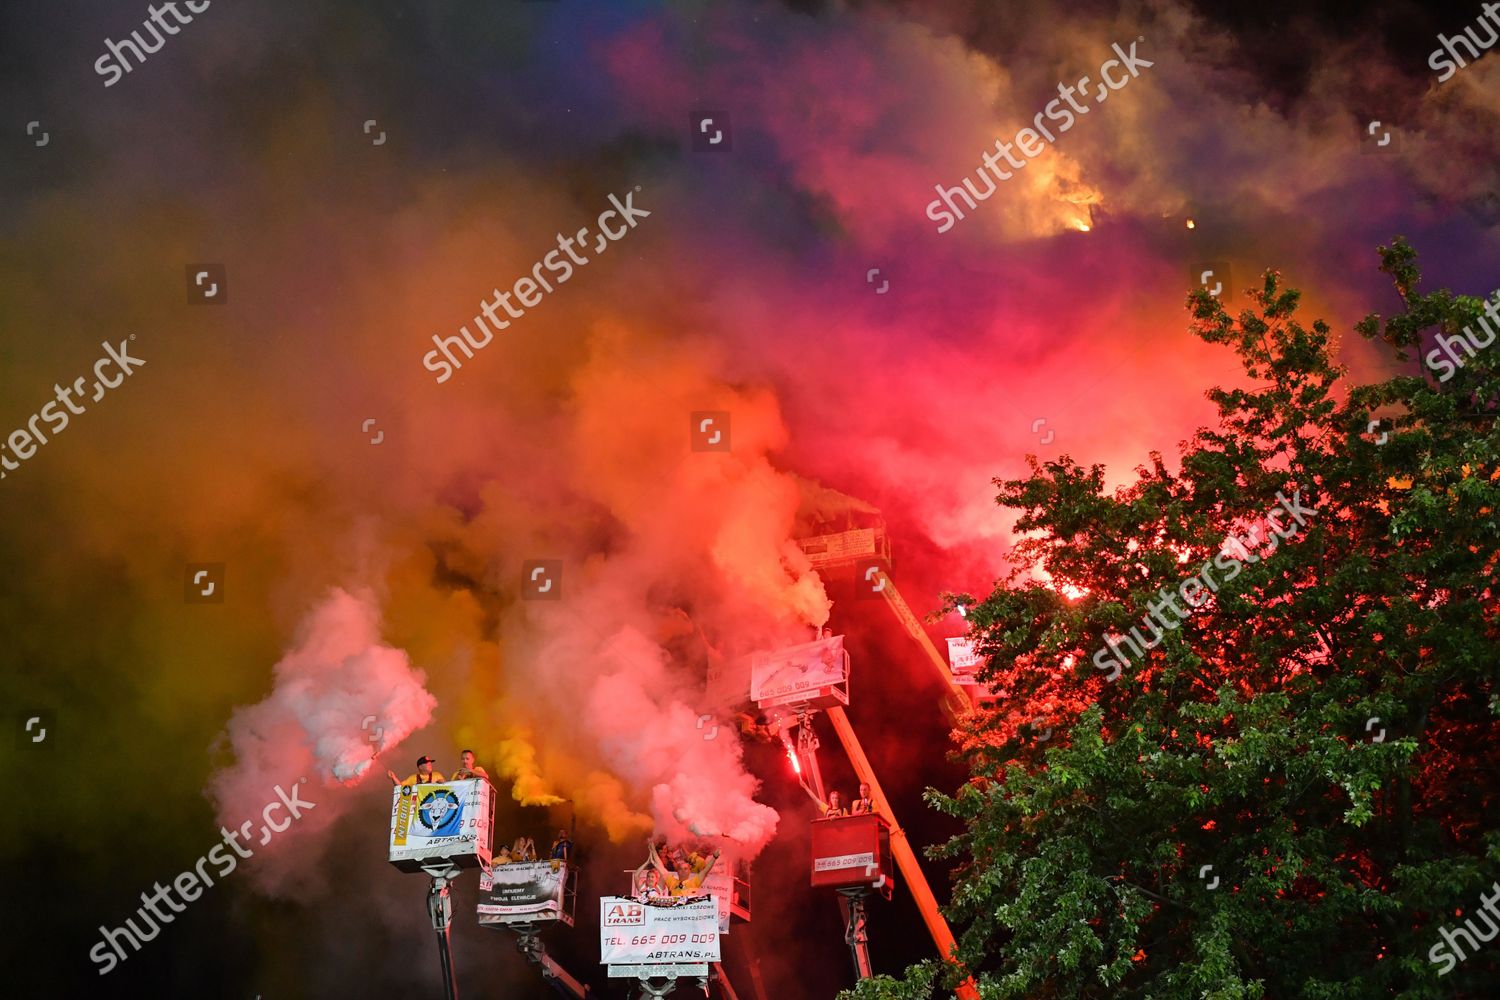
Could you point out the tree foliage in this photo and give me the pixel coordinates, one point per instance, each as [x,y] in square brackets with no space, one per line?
[1224,819]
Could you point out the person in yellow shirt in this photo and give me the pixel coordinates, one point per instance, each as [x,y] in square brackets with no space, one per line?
[688,882]
[834,807]
[424,774]
[468,769]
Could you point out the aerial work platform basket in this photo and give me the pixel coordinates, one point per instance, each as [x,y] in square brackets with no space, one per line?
[811,674]
[444,821]
[842,544]
[852,851]
[666,940]
[529,892]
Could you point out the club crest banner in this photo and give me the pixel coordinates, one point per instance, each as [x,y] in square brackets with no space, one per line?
[450,819]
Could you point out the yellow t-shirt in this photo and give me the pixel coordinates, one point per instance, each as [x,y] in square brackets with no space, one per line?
[415,779]
[682,887]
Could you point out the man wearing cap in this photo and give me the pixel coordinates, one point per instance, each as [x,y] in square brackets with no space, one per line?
[424,775]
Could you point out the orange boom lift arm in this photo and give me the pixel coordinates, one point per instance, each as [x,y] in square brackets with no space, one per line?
[906,858]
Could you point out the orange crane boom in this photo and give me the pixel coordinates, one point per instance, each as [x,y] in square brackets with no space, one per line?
[927,904]
[956,703]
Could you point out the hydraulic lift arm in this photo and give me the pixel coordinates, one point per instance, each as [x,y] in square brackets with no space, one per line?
[956,702]
[927,904]
[552,971]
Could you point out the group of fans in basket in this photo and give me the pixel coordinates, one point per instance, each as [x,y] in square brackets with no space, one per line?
[671,874]
[524,849]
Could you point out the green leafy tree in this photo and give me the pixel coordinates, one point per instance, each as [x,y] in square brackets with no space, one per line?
[917,984]
[1293,788]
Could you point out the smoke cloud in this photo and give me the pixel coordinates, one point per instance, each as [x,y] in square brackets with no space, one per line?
[339,697]
[387,579]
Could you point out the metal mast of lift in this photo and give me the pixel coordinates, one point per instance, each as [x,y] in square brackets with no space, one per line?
[440,910]
[441,828]
[856,935]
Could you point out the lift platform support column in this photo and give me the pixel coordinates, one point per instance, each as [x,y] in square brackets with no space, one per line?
[942,936]
[440,909]
[852,903]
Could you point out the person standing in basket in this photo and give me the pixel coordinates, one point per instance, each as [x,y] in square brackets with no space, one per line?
[424,774]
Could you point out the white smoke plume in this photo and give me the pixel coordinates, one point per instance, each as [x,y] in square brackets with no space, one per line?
[317,724]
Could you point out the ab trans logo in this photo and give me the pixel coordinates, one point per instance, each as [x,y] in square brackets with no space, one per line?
[624,915]
[441,813]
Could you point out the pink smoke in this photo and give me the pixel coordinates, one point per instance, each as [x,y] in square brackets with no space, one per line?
[317,724]
[699,788]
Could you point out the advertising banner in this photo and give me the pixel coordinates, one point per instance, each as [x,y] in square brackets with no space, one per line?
[447,820]
[827,551]
[633,933]
[961,655]
[720,885]
[865,862]
[787,674]
[523,893]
